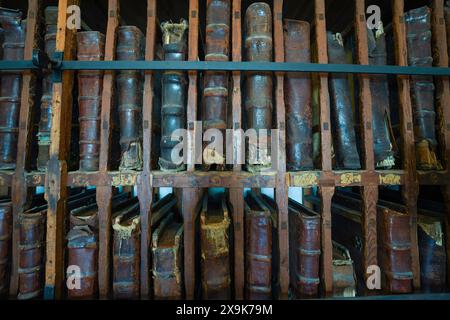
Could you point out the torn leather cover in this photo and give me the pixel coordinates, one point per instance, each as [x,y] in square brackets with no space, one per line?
[297,93]
[418,28]
[5,244]
[259,85]
[174,84]
[215,92]
[10,86]
[304,234]
[45,123]
[91,47]
[344,279]
[215,249]
[342,120]
[130,47]
[167,249]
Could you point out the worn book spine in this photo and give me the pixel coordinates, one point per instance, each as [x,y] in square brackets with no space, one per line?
[215,250]
[343,123]
[45,123]
[126,254]
[447,22]
[215,92]
[31,254]
[298,92]
[418,28]
[10,86]
[167,249]
[91,47]
[130,47]
[379,87]
[174,84]
[259,85]
[344,279]
[5,245]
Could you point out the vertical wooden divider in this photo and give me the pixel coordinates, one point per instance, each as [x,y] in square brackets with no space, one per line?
[410,190]
[145,191]
[20,192]
[326,186]
[369,193]
[237,194]
[104,192]
[56,178]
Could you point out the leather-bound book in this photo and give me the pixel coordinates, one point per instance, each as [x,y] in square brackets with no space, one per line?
[130,47]
[418,28]
[167,249]
[259,224]
[379,87]
[5,244]
[91,47]
[10,86]
[45,123]
[259,85]
[215,92]
[126,252]
[344,279]
[447,22]
[342,120]
[305,246]
[174,90]
[215,248]
[297,92]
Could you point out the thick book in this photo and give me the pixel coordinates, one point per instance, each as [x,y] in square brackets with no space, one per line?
[5,244]
[344,278]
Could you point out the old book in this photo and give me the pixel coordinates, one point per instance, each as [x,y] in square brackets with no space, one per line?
[10,86]
[344,279]
[418,28]
[174,99]
[5,244]
[215,248]
[297,93]
[45,123]
[91,47]
[342,119]
[167,250]
[258,101]
[447,22]
[130,47]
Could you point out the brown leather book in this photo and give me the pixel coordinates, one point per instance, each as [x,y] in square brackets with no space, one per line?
[45,123]
[297,93]
[447,22]
[305,248]
[10,86]
[259,225]
[215,248]
[342,119]
[344,279]
[167,249]
[418,28]
[91,47]
[259,86]
[215,92]
[5,244]
[130,47]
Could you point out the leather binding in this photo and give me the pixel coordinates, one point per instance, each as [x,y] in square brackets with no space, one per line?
[45,123]
[259,85]
[344,279]
[10,86]
[167,249]
[215,249]
[91,47]
[130,46]
[305,248]
[5,244]
[298,91]
[447,22]
[174,84]
[259,224]
[418,28]
[379,87]
[215,92]
[343,124]
[126,252]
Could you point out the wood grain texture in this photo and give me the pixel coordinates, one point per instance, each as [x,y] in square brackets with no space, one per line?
[326,194]
[236,101]
[236,198]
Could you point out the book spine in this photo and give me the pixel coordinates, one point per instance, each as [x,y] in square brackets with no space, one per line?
[5,245]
